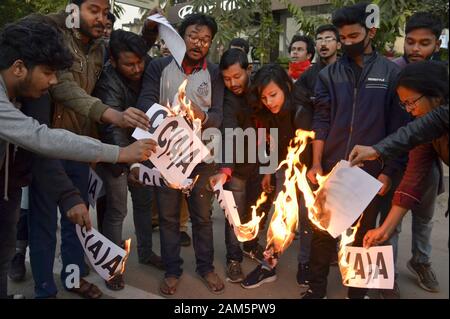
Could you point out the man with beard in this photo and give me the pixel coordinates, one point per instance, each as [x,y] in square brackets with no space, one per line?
[355,103]
[327,46]
[205,90]
[30,56]
[73,109]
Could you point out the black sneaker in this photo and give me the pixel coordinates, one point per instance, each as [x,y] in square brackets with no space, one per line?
[393,293]
[234,271]
[303,275]
[255,253]
[260,275]
[185,240]
[17,269]
[425,275]
[309,294]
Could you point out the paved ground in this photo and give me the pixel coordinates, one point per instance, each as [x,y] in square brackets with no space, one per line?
[143,281]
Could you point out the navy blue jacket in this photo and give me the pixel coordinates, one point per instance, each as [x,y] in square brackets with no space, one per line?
[347,113]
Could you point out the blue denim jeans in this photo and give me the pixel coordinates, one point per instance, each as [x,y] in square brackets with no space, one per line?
[422,223]
[116,189]
[304,229]
[43,226]
[199,204]
[9,215]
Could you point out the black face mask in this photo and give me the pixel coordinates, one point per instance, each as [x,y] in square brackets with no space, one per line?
[355,49]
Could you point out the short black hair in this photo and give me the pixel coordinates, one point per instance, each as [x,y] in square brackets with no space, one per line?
[111,17]
[328,27]
[35,43]
[125,41]
[233,56]
[241,43]
[77,2]
[198,19]
[310,46]
[429,78]
[425,20]
[354,14]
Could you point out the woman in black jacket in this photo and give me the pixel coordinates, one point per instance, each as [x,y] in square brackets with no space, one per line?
[278,104]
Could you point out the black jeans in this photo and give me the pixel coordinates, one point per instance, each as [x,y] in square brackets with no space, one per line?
[323,246]
[9,215]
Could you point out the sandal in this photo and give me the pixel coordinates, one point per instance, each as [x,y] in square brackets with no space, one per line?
[87,290]
[214,283]
[168,286]
[116,283]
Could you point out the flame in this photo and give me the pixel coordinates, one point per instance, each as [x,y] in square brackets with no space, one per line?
[184,107]
[127,248]
[284,220]
[249,230]
[347,239]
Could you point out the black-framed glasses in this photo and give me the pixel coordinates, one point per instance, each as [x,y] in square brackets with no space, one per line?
[410,104]
[197,41]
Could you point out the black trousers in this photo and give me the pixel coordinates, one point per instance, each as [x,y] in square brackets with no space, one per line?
[323,246]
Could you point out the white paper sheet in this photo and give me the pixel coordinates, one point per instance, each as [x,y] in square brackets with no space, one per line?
[369,268]
[95,187]
[106,257]
[344,196]
[178,152]
[227,203]
[156,113]
[171,37]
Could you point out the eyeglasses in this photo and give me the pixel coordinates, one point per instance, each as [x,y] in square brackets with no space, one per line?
[410,105]
[325,40]
[196,41]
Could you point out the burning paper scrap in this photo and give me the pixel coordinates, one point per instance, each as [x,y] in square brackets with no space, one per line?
[243,232]
[107,258]
[342,197]
[368,268]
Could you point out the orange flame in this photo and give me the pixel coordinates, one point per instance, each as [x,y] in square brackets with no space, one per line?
[284,220]
[347,272]
[249,230]
[184,107]
[127,248]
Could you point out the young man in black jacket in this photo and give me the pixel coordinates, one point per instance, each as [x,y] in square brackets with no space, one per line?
[119,86]
[355,103]
[240,177]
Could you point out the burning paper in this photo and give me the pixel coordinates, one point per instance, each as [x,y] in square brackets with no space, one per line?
[156,113]
[342,197]
[368,268]
[172,39]
[152,177]
[243,232]
[178,152]
[106,257]
[95,187]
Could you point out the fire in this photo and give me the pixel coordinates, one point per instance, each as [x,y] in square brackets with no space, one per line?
[249,230]
[184,107]
[127,248]
[346,240]
[284,220]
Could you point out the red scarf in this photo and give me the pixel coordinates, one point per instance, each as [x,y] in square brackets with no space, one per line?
[297,68]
